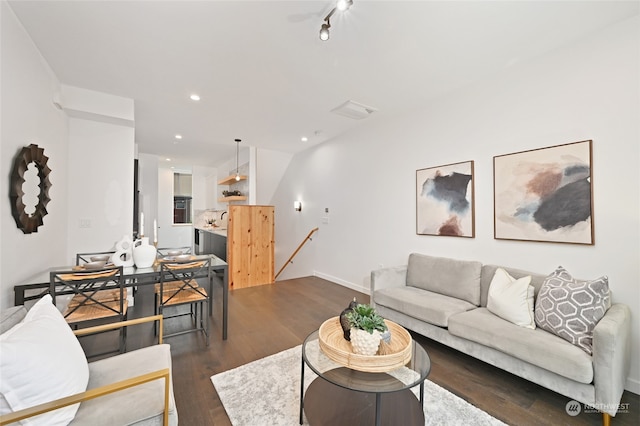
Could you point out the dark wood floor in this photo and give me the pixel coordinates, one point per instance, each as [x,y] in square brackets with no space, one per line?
[268,319]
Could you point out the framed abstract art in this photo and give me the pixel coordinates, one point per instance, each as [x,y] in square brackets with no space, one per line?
[545,194]
[445,200]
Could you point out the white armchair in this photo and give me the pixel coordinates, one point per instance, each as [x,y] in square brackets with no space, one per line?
[130,388]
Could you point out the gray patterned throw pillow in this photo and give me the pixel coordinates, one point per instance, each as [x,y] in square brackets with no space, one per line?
[571,308]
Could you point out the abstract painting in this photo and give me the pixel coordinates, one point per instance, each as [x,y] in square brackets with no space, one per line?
[444,200]
[544,194]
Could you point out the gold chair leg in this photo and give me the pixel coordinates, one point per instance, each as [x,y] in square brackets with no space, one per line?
[606,419]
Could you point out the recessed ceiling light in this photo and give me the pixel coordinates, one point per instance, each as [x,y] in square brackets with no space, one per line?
[168,159]
[178,136]
[195,97]
[304,139]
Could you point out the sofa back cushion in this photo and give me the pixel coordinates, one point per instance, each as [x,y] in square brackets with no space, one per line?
[11,316]
[488,271]
[451,277]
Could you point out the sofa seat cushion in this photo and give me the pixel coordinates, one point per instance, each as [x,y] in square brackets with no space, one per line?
[424,305]
[450,277]
[537,347]
[139,405]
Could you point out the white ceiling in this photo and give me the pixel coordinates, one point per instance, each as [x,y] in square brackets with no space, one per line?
[265,77]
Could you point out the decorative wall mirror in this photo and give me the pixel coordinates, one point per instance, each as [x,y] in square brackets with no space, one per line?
[29,188]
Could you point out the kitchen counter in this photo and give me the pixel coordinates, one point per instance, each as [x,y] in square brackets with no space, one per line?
[213,230]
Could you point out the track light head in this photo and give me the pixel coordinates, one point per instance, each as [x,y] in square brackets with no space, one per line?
[324,31]
[343,5]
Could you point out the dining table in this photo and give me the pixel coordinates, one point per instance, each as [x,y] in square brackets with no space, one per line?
[36,286]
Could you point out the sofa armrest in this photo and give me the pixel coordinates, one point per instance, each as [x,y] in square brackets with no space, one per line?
[163,374]
[395,276]
[120,324]
[611,357]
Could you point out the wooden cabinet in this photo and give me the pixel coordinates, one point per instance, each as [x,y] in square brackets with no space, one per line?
[250,246]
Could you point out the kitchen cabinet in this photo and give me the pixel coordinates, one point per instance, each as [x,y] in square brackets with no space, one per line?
[211,241]
[250,245]
[218,245]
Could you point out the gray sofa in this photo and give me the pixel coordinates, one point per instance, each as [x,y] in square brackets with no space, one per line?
[446,300]
[133,388]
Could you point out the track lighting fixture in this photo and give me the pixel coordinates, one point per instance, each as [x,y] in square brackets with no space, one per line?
[341,6]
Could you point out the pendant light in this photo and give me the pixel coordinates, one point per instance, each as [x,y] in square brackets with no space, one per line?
[237,157]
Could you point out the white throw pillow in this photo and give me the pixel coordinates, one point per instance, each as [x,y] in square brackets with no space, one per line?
[41,360]
[512,299]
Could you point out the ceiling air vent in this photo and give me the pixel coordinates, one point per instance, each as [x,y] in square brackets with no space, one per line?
[354,110]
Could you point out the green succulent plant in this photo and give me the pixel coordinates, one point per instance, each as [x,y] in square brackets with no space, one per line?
[364,317]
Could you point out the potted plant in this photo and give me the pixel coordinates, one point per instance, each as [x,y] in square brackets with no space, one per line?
[366,329]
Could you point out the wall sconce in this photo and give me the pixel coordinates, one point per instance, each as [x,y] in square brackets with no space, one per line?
[297,206]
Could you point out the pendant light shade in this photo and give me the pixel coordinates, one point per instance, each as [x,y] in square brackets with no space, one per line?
[237,158]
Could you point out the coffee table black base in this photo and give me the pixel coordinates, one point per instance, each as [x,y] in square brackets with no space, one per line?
[328,404]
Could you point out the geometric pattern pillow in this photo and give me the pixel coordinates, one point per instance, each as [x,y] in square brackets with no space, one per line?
[571,308]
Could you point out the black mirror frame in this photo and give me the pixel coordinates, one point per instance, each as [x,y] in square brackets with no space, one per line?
[27,155]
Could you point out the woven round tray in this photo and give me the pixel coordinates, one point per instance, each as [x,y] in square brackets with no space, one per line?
[390,356]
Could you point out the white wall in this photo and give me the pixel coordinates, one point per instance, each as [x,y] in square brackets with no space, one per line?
[101,157]
[148,187]
[91,161]
[367,178]
[28,116]
[205,184]
[270,168]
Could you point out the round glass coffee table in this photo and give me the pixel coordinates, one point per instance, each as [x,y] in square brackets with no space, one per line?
[341,395]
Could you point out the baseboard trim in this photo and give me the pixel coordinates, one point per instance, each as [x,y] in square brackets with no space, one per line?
[342,282]
[633,385]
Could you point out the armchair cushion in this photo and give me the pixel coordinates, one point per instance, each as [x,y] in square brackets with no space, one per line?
[41,360]
[139,405]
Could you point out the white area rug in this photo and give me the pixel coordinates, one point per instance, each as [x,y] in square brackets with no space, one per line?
[266,392]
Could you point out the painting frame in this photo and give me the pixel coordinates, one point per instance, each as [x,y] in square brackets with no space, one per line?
[545,194]
[445,200]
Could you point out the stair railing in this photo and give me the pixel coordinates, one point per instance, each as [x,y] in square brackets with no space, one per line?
[290,260]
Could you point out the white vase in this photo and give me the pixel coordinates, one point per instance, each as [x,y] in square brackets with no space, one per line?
[363,342]
[144,254]
[123,255]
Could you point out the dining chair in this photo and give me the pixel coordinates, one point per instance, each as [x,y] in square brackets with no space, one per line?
[86,297]
[179,286]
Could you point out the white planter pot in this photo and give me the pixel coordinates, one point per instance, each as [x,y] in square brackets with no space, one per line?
[364,343]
